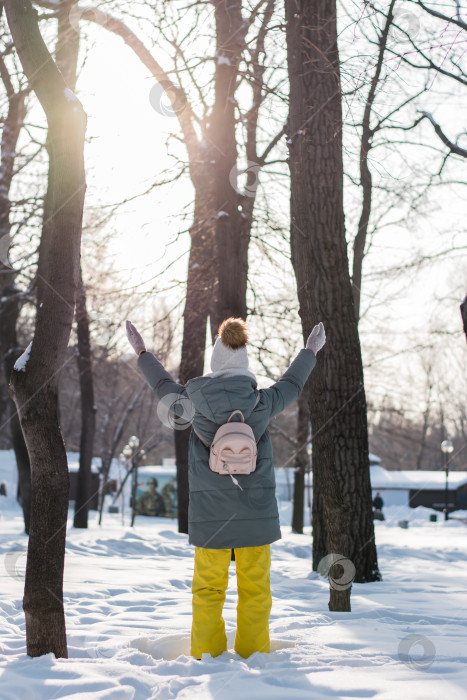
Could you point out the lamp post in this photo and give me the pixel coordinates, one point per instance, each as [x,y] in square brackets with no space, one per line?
[121,462]
[446,448]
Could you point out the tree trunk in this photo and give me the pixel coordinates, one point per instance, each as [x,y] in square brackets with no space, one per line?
[319,257]
[66,55]
[231,228]
[88,410]
[337,512]
[200,284]
[33,386]
[9,294]
[23,464]
[360,238]
[319,530]
[215,232]
[301,461]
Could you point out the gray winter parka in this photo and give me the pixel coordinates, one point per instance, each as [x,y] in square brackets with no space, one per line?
[220,514]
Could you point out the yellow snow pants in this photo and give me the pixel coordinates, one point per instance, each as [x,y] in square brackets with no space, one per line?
[210,579]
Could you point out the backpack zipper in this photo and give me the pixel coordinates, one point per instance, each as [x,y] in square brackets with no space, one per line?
[226,466]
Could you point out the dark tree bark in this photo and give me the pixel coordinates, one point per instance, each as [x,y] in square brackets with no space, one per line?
[9,294]
[301,460]
[319,529]
[234,208]
[23,464]
[66,55]
[319,257]
[199,292]
[231,229]
[34,387]
[88,410]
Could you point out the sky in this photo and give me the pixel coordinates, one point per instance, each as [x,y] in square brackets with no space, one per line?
[126,153]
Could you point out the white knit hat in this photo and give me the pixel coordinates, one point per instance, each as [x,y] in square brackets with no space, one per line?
[224,357]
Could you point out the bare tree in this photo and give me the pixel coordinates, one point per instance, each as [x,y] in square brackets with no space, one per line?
[34,380]
[88,408]
[66,56]
[319,257]
[10,295]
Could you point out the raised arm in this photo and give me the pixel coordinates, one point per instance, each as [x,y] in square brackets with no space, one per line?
[160,381]
[290,385]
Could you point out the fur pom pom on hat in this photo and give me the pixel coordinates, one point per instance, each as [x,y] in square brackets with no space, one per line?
[233,332]
[230,347]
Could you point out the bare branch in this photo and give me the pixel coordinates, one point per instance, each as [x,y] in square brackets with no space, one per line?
[453,147]
[459,22]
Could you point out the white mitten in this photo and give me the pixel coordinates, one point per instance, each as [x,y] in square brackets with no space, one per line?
[136,341]
[316,339]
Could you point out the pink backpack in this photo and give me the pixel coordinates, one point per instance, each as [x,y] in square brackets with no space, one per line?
[234,449]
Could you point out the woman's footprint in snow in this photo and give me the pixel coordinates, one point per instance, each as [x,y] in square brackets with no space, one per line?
[277,644]
[169,647]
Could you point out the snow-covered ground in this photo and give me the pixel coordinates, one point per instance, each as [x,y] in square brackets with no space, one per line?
[128,609]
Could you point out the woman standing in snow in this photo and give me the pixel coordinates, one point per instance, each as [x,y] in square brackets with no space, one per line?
[226,514]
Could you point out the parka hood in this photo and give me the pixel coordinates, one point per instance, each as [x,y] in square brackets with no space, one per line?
[216,397]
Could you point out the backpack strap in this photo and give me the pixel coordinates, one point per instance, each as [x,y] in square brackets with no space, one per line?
[238,410]
[199,437]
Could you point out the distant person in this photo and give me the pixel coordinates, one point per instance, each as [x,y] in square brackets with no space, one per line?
[378,502]
[150,502]
[168,491]
[3,489]
[226,513]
